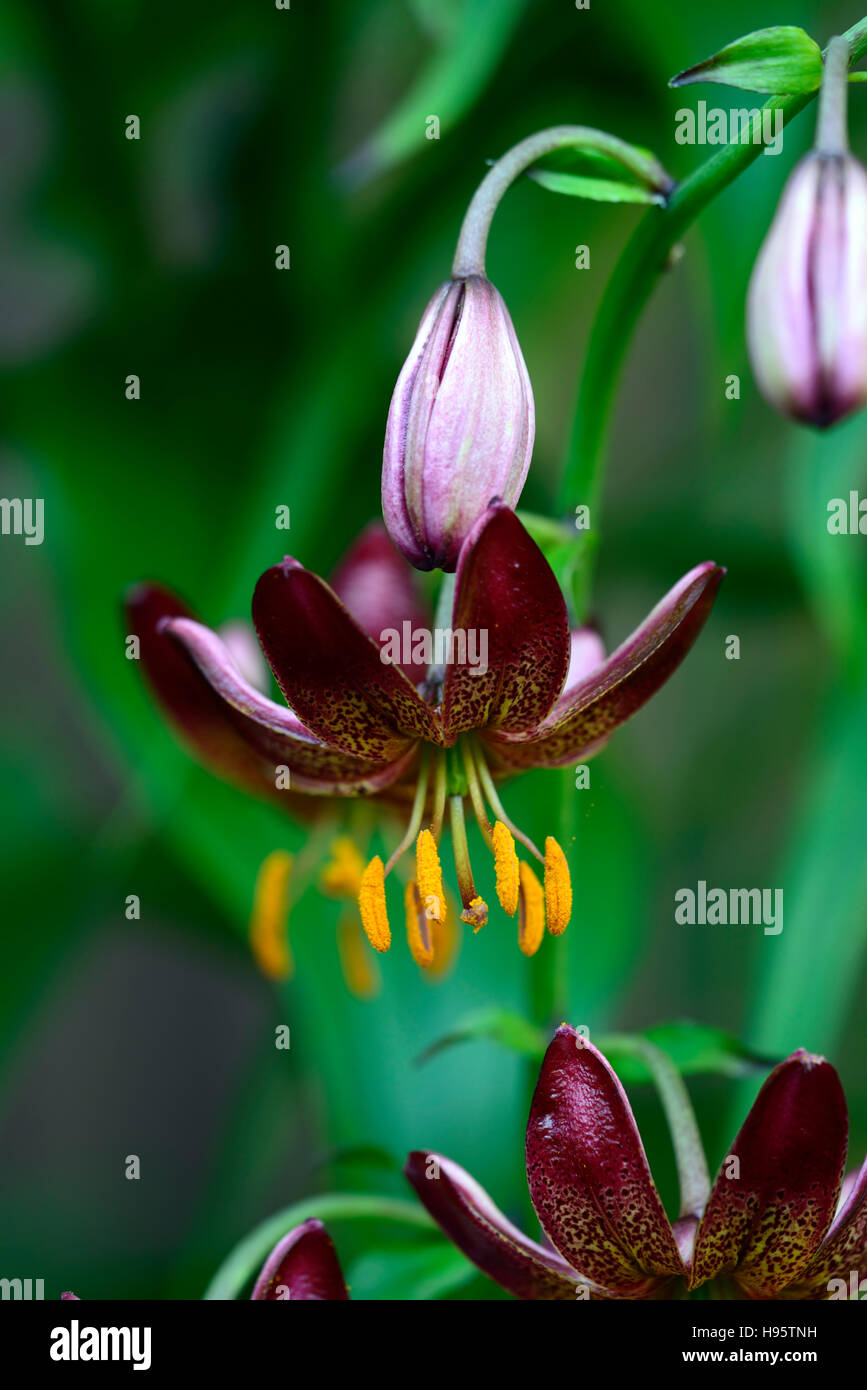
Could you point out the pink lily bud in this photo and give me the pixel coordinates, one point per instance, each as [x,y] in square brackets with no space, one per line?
[461,424]
[807,303]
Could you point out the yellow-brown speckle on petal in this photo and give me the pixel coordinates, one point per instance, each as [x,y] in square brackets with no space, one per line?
[371,905]
[558,888]
[506,868]
[531,912]
[418,926]
[430,877]
[360,970]
[269,919]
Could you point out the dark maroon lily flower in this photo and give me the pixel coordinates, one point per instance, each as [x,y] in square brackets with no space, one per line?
[772,1226]
[303,1266]
[372,716]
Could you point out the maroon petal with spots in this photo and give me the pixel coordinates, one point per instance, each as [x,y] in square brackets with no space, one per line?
[507,594]
[589,1177]
[274,731]
[843,1252]
[379,589]
[469,1218]
[302,1267]
[331,672]
[775,1195]
[590,710]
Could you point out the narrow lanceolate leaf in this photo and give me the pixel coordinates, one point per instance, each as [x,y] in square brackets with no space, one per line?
[606,170]
[495,1025]
[694,1048]
[780,60]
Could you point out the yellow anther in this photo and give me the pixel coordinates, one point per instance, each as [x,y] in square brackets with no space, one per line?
[430,877]
[531,912]
[341,876]
[269,919]
[446,941]
[418,926]
[558,888]
[506,869]
[476,914]
[371,905]
[360,970]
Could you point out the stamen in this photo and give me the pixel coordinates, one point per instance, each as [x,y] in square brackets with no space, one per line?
[446,940]
[497,806]
[439,794]
[341,876]
[415,814]
[475,790]
[531,912]
[371,905]
[360,970]
[430,877]
[506,868]
[418,927]
[269,919]
[475,908]
[558,888]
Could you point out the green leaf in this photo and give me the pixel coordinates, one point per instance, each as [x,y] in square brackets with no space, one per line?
[598,190]
[694,1048]
[775,61]
[496,1025]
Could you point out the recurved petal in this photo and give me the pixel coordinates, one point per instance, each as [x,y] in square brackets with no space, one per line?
[302,1267]
[469,1218]
[331,673]
[586,654]
[508,596]
[843,1252]
[378,587]
[776,1192]
[274,732]
[588,1173]
[588,712]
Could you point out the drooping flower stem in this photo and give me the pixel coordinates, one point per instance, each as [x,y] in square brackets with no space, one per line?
[831,132]
[473,239]
[628,290]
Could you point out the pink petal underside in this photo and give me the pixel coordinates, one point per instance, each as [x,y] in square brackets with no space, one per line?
[469,1218]
[776,1191]
[589,1177]
[379,589]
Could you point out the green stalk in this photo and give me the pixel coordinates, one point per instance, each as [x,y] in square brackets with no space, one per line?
[631,284]
[249,1254]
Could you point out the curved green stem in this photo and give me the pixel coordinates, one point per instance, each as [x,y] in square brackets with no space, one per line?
[831,133]
[473,239]
[634,278]
[240,1266]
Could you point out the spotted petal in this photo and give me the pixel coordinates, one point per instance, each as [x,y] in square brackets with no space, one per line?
[331,672]
[590,710]
[507,594]
[843,1252]
[302,1267]
[776,1192]
[378,587]
[588,1173]
[469,1218]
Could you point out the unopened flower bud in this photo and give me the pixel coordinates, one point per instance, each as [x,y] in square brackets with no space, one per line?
[461,424]
[807,303]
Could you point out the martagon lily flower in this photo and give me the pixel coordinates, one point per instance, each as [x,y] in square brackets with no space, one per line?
[302,1267]
[419,737]
[778,1223]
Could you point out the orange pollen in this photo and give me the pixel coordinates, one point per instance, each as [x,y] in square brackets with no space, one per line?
[430,877]
[341,876]
[360,970]
[506,868]
[558,888]
[476,914]
[269,919]
[531,912]
[371,905]
[418,926]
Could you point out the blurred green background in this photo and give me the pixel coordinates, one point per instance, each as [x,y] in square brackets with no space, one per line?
[262,387]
